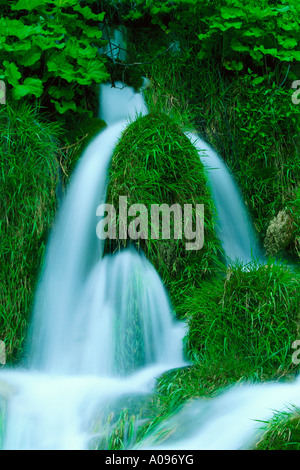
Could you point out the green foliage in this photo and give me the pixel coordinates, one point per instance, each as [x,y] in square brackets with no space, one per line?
[234,31]
[28,145]
[49,51]
[266,137]
[249,319]
[155,163]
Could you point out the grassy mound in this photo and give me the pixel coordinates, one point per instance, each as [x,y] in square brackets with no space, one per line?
[155,163]
[27,201]
[246,322]
[282,431]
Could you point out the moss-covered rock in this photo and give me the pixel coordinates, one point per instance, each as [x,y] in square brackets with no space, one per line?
[155,163]
[280,233]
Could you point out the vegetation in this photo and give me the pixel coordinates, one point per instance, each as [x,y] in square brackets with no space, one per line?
[281,431]
[155,163]
[222,68]
[249,319]
[49,51]
[28,145]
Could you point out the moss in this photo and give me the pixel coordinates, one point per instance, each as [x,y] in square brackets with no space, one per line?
[280,233]
[155,163]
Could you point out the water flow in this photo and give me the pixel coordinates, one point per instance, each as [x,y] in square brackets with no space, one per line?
[233,224]
[102,328]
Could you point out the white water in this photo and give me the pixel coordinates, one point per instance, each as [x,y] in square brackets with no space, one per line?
[233,224]
[102,329]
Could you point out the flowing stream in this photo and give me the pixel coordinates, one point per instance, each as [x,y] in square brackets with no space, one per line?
[103,328]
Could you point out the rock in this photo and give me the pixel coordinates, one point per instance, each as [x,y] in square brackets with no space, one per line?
[279,233]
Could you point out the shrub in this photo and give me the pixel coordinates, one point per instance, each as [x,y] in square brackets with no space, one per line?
[49,51]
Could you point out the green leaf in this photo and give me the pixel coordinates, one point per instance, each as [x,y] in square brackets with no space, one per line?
[48,42]
[12,72]
[18,28]
[237,46]
[29,4]
[257,32]
[89,31]
[88,14]
[31,57]
[59,92]
[257,80]
[59,64]
[272,51]
[65,3]
[227,25]
[289,43]
[17,47]
[64,106]
[31,86]
[233,65]
[74,49]
[231,12]
[94,70]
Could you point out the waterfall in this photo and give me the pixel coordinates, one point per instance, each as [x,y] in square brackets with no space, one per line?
[233,224]
[103,328]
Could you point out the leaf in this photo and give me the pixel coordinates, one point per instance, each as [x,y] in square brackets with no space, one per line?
[227,25]
[59,64]
[237,46]
[57,93]
[65,3]
[231,12]
[90,31]
[31,57]
[272,51]
[233,65]
[289,43]
[88,14]
[94,70]
[48,42]
[12,72]
[257,80]
[74,49]
[257,32]
[18,28]
[29,4]
[64,106]
[30,86]
[17,47]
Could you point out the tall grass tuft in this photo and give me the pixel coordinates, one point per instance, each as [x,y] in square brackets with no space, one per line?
[28,146]
[247,320]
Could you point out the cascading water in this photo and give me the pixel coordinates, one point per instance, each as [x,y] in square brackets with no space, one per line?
[233,224]
[102,328]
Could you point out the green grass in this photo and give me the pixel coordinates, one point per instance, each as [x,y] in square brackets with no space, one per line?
[28,146]
[281,432]
[247,320]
